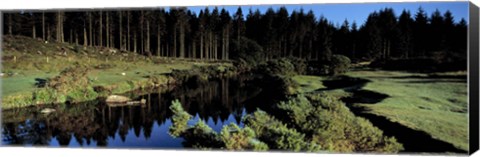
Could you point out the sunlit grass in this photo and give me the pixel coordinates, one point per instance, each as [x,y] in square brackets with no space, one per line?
[26,60]
[435,103]
[308,83]
[437,106]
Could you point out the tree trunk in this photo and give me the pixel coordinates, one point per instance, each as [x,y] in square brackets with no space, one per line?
[158,41]
[201,45]
[90,28]
[215,48]
[174,51]
[43,25]
[10,22]
[142,46]
[227,48]
[135,42]
[107,31]
[128,31]
[48,32]
[147,46]
[194,49]
[85,43]
[100,35]
[34,32]
[120,30]
[182,42]
[58,31]
[76,38]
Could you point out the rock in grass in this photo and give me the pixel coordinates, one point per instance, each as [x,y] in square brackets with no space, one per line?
[117,99]
[47,110]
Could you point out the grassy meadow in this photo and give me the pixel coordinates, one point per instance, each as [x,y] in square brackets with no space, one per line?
[435,103]
[22,67]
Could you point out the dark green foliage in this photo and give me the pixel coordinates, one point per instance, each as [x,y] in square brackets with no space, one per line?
[200,74]
[279,85]
[201,136]
[339,64]
[179,119]
[330,124]
[277,67]
[278,135]
[313,123]
[296,110]
[72,85]
[252,37]
[337,129]
[299,65]
[236,138]
[247,50]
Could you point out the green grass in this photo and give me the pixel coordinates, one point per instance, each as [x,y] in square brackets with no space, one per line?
[436,105]
[308,83]
[25,59]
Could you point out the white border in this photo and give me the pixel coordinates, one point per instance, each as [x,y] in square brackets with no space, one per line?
[78,4]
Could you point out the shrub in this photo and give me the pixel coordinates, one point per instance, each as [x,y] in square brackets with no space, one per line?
[179,119]
[339,64]
[278,135]
[299,65]
[236,138]
[336,128]
[278,85]
[47,96]
[70,79]
[201,136]
[248,50]
[277,67]
[296,110]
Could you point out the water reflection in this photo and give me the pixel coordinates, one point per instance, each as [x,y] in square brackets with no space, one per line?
[94,124]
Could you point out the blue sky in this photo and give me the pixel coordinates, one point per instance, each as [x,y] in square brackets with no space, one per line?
[357,12]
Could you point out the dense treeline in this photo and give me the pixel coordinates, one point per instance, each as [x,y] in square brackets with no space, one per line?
[216,35]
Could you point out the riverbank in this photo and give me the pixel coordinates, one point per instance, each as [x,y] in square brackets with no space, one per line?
[29,63]
[431,105]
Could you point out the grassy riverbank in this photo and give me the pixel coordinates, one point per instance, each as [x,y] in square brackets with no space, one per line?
[27,62]
[435,103]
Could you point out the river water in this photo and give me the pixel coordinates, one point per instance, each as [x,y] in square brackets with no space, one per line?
[94,124]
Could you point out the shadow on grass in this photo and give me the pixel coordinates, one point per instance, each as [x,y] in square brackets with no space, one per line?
[40,82]
[412,140]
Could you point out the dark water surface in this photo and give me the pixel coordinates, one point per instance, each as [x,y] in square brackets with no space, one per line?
[94,124]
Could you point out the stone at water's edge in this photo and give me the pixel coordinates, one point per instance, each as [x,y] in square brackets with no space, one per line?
[117,99]
[47,110]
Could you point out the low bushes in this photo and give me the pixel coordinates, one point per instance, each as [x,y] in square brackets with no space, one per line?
[315,123]
[337,64]
[330,124]
[203,73]
[277,67]
[277,135]
[179,119]
[236,138]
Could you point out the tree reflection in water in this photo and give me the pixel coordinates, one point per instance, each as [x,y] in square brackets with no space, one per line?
[219,102]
